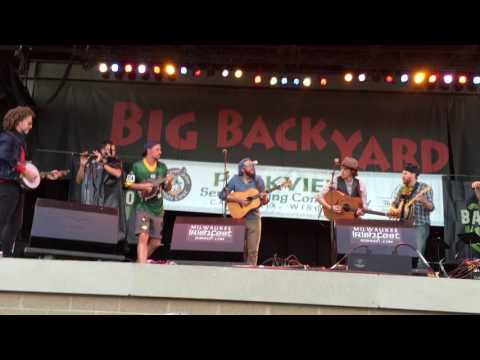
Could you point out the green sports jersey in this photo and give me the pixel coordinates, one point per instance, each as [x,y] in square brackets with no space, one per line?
[142,173]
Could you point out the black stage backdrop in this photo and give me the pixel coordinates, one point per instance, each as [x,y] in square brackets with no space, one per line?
[294,128]
[278,127]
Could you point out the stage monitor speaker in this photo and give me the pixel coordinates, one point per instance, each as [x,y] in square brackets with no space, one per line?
[211,239]
[390,264]
[73,226]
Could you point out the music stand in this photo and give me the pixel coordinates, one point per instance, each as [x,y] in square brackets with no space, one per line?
[469,239]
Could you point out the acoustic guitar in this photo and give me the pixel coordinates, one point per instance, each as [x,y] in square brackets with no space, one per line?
[348,204]
[407,207]
[28,185]
[252,195]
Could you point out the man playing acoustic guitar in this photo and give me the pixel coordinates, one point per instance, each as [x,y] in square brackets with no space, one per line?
[421,209]
[348,184]
[247,179]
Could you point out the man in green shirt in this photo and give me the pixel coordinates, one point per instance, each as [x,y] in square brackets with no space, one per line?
[149,213]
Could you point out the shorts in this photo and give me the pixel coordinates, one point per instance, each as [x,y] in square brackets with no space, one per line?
[149,224]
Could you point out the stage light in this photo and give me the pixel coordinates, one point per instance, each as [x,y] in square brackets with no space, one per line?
[362,77]
[462,79]
[114,68]
[141,68]
[432,79]
[476,80]
[238,73]
[257,79]
[284,81]
[128,68]
[447,78]
[389,79]
[170,69]
[323,81]
[404,78]
[348,77]
[156,69]
[307,81]
[419,77]
[296,81]
[197,73]
[273,80]
[183,70]
[225,73]
[102,67]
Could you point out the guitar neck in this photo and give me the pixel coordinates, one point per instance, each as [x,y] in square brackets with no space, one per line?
[411,202]
[267,192]
[373,212]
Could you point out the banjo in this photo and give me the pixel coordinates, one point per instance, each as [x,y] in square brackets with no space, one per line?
[28,185]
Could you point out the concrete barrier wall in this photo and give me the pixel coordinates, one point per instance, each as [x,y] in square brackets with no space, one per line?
[56,286]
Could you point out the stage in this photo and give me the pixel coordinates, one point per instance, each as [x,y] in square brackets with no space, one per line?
[38,286]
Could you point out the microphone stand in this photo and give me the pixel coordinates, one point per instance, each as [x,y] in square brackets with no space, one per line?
[225,176]
[333,244]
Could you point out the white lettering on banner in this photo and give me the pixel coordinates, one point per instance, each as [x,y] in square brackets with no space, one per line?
[299,201]
[465,216]
[210,232]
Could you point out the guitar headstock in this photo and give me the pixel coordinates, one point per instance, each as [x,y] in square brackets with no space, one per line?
[286,183]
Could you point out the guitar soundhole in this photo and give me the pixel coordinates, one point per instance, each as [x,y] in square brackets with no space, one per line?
[346,207]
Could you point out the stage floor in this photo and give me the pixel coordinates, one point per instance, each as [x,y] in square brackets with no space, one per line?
[231,289]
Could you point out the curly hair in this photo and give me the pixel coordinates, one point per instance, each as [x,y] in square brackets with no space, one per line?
[15,115]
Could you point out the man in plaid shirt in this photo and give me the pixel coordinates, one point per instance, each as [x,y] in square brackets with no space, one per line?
[421,209]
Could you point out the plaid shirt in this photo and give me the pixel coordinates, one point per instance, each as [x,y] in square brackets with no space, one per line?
[421,215]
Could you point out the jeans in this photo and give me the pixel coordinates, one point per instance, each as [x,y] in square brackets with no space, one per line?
[252,241]
[422,232]
[11,216]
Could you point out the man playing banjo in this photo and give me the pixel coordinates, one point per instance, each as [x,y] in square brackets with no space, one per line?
[17,123]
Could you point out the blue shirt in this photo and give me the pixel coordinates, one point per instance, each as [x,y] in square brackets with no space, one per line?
[238,185]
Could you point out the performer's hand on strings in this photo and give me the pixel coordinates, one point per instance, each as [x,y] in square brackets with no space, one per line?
[30,175]
[423,200]
[359,212]
[264,198]
[337,209]
[54,175]
[147,187]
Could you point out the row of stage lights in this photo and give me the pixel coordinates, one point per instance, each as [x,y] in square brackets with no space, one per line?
[170,71]
[420,78]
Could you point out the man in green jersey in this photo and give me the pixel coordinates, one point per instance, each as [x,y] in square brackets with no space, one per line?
[149,213]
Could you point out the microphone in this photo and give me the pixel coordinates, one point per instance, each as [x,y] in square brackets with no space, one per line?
[336,161]
[224,151]
[255,162]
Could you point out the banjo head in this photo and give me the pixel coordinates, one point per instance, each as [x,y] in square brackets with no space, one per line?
[31,184]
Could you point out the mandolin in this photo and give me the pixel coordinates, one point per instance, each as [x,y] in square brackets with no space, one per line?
[157,186]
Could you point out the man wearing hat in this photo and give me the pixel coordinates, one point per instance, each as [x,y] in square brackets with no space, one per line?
[247,179]
[149,213]
[346,183]
[421,209]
